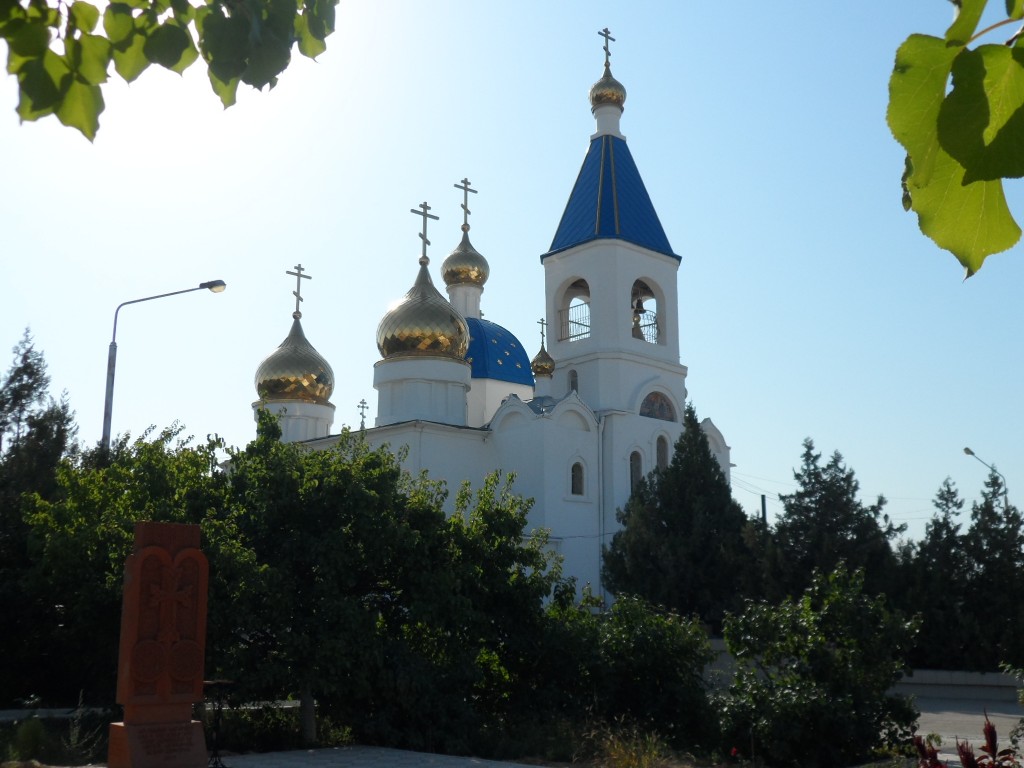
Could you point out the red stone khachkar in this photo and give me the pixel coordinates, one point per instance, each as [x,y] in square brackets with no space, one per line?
[163,640]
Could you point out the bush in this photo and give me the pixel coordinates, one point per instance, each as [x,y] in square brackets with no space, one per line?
[813,675]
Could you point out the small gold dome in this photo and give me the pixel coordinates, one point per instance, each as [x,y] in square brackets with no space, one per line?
[607,90]
[542,364]
[423,323]
[295,371]
[465,265]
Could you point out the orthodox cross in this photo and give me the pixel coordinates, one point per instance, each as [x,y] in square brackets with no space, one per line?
[167,597]
[297,293]
[362,413]
[607,36]
[464,186]
[423,208]
[542,323]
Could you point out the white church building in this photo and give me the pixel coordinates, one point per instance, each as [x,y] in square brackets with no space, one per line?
[597,408]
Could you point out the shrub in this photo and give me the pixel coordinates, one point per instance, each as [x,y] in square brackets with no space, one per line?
[813,675]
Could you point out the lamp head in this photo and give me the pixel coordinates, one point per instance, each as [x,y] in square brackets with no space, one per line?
[217,286]
[968,451]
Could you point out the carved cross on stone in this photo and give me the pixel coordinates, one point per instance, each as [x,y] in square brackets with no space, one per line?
[423,208]
[167,597]
[607,36]
[464,186]
[297,293]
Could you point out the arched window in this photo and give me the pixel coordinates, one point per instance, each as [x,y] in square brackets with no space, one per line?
[577,479]
[644,315]
[657,406]
[636,470]
[574,312]
[662,452]
[574,381]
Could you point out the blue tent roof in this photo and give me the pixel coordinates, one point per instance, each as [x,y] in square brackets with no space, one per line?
[494,353]
[610,201]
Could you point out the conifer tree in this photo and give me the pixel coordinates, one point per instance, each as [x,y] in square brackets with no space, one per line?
[937,582]
[994,545]
[682,542]
[824,523]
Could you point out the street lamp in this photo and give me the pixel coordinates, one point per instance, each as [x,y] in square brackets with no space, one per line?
[1006,496]
[216,286]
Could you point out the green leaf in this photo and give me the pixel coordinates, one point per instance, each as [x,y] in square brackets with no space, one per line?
[1015,9]
[167,44]
[319,16]
[981,122]
[80,108]
[916,90]
[91,58]
[30,41]
[41,82]
[225,44]
[225,90]
[84,15]
[966,22]
[118,22]
[970,220]
[309,44]
[130,57]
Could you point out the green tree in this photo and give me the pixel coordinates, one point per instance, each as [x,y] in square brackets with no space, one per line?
[682,541]
[61,52]
[994,545]
[36,433]
[938,577]
[957,111]
[823,523]
[813,675]
[78,542]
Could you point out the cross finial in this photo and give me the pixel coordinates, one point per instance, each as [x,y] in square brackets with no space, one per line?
[423,208]
[464,186]
[607,36]
[362,413]
[297,293]
[543,324]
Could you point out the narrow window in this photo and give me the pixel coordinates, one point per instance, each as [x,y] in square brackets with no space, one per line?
[574,382]
[635,470]
[644,308]
[574,312]
[662,452]
[577,479]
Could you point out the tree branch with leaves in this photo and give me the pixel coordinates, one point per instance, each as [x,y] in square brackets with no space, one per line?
[61,53]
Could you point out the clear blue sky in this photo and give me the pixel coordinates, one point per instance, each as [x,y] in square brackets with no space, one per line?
[811,305]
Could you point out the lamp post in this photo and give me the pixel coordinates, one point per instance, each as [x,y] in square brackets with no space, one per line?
[216,286]
[1006,496]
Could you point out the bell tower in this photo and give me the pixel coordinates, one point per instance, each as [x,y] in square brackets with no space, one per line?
[610,276]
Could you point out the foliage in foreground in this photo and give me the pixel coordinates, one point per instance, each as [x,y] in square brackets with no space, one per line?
[61,52]
[813,675]
[962,141]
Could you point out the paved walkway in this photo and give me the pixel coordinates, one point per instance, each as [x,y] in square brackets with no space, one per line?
[964,719]
[357,757]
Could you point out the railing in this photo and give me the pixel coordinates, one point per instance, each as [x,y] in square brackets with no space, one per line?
[574,322]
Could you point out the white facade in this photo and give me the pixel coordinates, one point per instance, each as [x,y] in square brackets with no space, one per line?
[611,409]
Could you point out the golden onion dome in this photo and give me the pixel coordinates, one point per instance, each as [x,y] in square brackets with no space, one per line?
[423,323]
[466,265]
[542,364]
[607,90]
[295,371]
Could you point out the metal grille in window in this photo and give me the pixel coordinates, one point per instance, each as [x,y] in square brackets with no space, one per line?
[575,322]
[645,326]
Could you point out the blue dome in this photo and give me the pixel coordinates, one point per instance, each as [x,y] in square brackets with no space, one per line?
[494,353]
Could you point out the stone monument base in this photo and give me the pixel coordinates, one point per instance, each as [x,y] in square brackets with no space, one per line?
[157,745]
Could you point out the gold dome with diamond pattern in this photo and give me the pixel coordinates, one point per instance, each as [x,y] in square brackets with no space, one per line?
[295,371]
[424,323]
[466,265]
[607,90]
